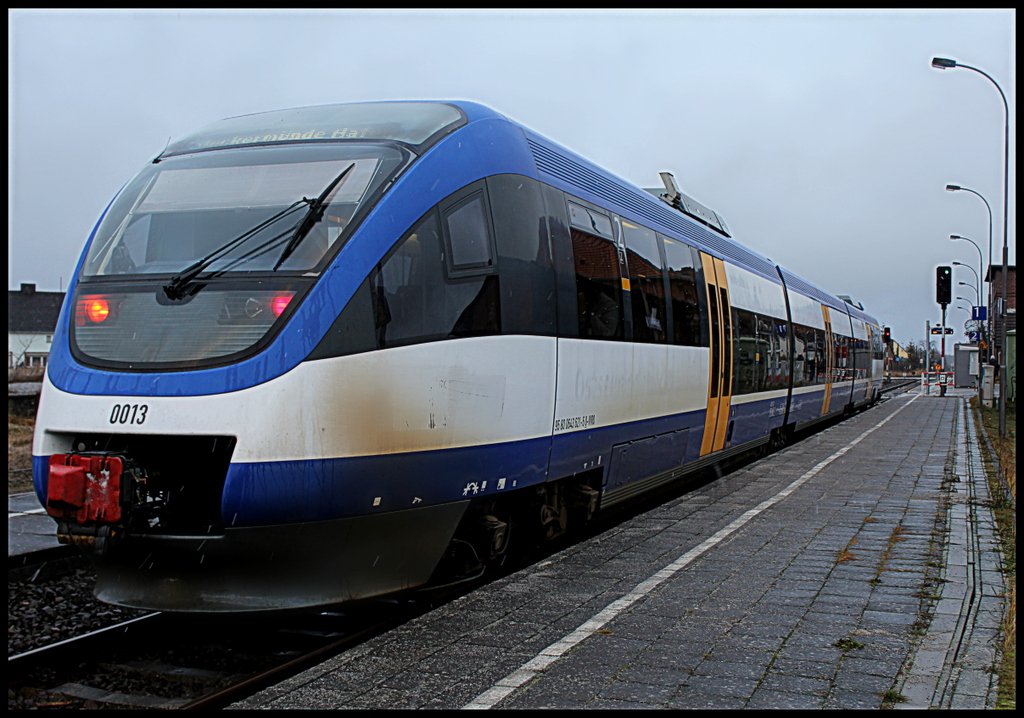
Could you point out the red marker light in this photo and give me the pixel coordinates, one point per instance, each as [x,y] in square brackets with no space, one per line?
[94,308]
[280,302]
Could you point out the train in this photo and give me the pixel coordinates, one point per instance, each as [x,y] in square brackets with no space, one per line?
[322,354]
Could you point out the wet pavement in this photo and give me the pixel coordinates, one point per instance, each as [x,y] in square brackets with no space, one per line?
[28,526]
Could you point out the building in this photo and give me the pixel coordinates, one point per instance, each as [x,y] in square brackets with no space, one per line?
[994,276]
[31,320]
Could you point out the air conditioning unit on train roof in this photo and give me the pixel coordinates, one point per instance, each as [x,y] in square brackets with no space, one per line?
[849,300]
[671,196]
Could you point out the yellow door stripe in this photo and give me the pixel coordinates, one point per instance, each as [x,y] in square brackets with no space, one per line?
[830,360]
[725,394]
[714,365]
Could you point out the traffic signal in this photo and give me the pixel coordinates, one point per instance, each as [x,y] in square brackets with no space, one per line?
[887,335]
[944,285]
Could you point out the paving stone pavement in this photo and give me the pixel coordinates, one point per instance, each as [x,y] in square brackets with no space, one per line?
[819,601]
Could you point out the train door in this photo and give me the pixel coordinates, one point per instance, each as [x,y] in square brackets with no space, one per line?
[716,421]
[830,360]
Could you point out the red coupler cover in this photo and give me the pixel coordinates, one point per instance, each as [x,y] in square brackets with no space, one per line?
[84,488]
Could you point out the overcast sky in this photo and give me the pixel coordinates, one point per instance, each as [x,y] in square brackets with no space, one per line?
[824,139]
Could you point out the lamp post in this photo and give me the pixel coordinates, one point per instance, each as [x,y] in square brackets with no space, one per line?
[976,279]
[943,63]
[958,188]
[968,284]
[981,258]
[962,308]
[968,310]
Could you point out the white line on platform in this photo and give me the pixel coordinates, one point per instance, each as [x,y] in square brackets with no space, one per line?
[532,668]
[13,514]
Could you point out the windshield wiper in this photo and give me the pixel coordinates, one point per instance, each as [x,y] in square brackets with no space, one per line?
[313,215]
[175,289]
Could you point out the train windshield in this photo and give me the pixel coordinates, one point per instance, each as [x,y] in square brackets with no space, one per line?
[185,208]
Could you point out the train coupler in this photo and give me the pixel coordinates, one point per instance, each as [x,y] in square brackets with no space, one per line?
[84,494]
[96,538]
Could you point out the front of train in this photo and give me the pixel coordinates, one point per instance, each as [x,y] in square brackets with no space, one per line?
[177,435]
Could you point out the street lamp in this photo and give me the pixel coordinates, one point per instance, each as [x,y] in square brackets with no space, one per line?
[968,284]
[961,307]
[981,259]
[943,63]
[976,278]
[958,188]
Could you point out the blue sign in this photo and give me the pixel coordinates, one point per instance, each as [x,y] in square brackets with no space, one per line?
[979,314]
[974,336]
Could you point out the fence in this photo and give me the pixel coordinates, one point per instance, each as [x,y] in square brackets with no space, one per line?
[940,379]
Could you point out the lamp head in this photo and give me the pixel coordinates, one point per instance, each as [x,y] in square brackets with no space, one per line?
[955,236]
[942,63]
[952,187]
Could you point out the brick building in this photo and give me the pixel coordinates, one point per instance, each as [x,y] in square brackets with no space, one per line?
[994,275]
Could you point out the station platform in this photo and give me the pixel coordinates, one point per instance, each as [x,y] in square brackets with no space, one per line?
[855,569]
[28,527]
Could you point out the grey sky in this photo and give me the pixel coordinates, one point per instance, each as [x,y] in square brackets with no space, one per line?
[824,139]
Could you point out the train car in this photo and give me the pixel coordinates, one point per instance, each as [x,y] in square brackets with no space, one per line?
[327,353]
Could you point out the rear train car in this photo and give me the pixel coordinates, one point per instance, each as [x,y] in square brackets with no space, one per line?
[328,353]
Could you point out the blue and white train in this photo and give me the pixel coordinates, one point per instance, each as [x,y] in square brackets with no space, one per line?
[327,353]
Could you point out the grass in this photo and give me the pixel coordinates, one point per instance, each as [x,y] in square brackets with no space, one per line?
[1001,482]
[848,644]
[19,453]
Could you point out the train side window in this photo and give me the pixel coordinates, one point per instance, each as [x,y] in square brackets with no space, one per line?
[820,338]
[416,302]
[468,237]
[782,333]
[410,298]
[525,256]
[841,371]
[647,287]
[683,289]
[750,354]
[878,345]
[563,261]
[767,332]
[800,354]
[590,221]
[815,365]
[598,287]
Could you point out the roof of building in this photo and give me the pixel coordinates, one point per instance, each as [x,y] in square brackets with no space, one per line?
[995,270]
[32,312]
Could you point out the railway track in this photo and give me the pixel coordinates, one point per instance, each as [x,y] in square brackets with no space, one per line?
[171,661]
[900,383]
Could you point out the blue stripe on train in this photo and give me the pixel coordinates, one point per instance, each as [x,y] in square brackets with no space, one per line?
[293,491]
